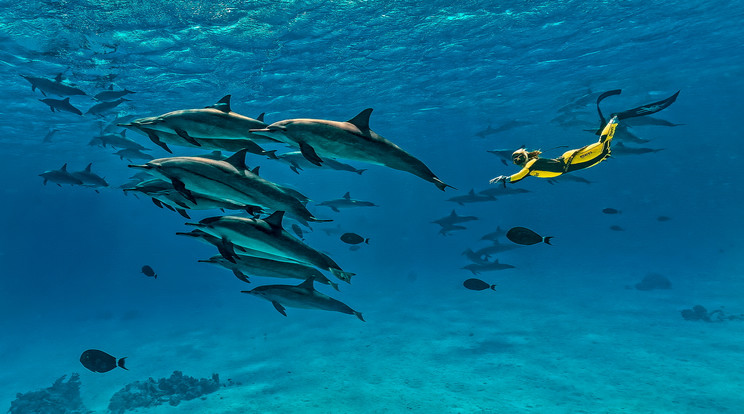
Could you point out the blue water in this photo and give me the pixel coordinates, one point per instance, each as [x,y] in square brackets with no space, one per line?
[560,334]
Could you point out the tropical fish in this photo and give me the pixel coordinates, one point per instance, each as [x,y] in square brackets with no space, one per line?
[303,296]
[522,235]
[353,238]
[147,271]
[99,361]
[477,284]
[352,140]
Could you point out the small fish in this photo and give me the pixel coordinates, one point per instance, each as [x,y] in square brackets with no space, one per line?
[663,218]
[99,361]
[610,210]
[353,238]
[616,228]
[147,271]
[355,247]
[477,284]
[522,235]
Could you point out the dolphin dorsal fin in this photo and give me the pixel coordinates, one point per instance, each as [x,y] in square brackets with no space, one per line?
[361,121]
[472,191]
[223,104]
[58,78]
[64,168]
[255,170]
[275,220]
[307,284]
[66,100]
[237,160]
[111,87]
[347,196]
[87,169]
[261,117]
[453,214]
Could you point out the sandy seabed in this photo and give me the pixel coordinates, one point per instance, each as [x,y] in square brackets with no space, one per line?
[562,349]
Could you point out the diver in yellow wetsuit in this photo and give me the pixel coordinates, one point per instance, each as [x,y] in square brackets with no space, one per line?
[577,159]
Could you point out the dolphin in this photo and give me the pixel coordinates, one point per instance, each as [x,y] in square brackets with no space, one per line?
[494,235]
[568,177]
[446,230]
[89,178]
[52,87]
[49,135]
[474,256]
[352,140]
[165,194]
[494,248]
[133,154]
[163,139]
[302,296]
[60,177]
[504,127]
[119,140]
[259,266]
[622,133]
[298,162]
[490,266]
[61,105]
[502,191]
[471,197]
[504,154]
[268,236]
[105,106]
[453,219]
[346,202]
[620,149]
[230,181]
[216,121]
[217,242]
[111,94]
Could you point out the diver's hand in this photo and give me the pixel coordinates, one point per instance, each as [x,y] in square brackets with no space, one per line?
[499,179]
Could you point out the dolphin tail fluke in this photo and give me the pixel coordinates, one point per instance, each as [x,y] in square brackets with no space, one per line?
[359,315]
[334,285]
[345,276]
[441,185]
[121,363]
[183,213]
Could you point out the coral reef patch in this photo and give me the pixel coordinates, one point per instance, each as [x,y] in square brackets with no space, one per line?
[63,397]
[172,390]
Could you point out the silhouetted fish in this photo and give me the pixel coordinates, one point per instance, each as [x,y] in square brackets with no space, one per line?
[610,210]
[99,361]
[147,270]
[353,238]
[616,228]
[522,235]
[663,218]
[477,284]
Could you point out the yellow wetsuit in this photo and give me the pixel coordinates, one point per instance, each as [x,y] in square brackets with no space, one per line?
[572,160]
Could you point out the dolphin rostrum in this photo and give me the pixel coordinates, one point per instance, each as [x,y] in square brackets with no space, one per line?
[267,236]
[302,296]
[231,181]
[352,140]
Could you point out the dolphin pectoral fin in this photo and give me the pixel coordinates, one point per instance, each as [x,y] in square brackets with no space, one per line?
[240,275]
[295,168]
[181,188]
[360,171]
[359,315]
[185,135]
[309,153]
[227,250]
[157,202]
[168,207]
[278,306]
[156,140]
[335,209]
[183,213]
